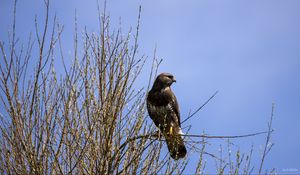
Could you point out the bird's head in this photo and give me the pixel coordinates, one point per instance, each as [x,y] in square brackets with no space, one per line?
[164,80]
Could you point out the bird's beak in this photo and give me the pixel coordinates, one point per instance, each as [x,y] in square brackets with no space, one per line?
[174,80]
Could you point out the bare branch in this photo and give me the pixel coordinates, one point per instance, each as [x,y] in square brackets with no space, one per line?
[197,110]
[267,147]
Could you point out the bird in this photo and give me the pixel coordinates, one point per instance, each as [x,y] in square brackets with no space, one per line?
[163,109]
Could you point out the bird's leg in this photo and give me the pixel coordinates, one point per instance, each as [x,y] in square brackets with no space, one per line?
[171,130]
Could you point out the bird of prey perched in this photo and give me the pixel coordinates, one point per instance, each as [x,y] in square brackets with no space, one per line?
[163,109]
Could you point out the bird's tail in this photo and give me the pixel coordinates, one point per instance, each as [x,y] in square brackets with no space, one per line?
[175,145]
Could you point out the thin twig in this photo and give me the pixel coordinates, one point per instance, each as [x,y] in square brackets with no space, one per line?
[226,137]
[200,107]
[266,149]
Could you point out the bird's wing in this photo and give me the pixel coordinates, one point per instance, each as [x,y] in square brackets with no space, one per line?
[173,104]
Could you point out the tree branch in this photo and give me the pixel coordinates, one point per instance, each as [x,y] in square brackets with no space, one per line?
[200,107]
[266,149]
[158,135]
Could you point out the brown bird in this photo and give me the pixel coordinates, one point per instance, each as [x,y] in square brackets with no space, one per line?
[163,109]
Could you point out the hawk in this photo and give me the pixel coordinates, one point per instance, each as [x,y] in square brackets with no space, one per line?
[163,109]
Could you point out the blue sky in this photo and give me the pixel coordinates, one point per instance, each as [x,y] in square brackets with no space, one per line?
[248,50]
